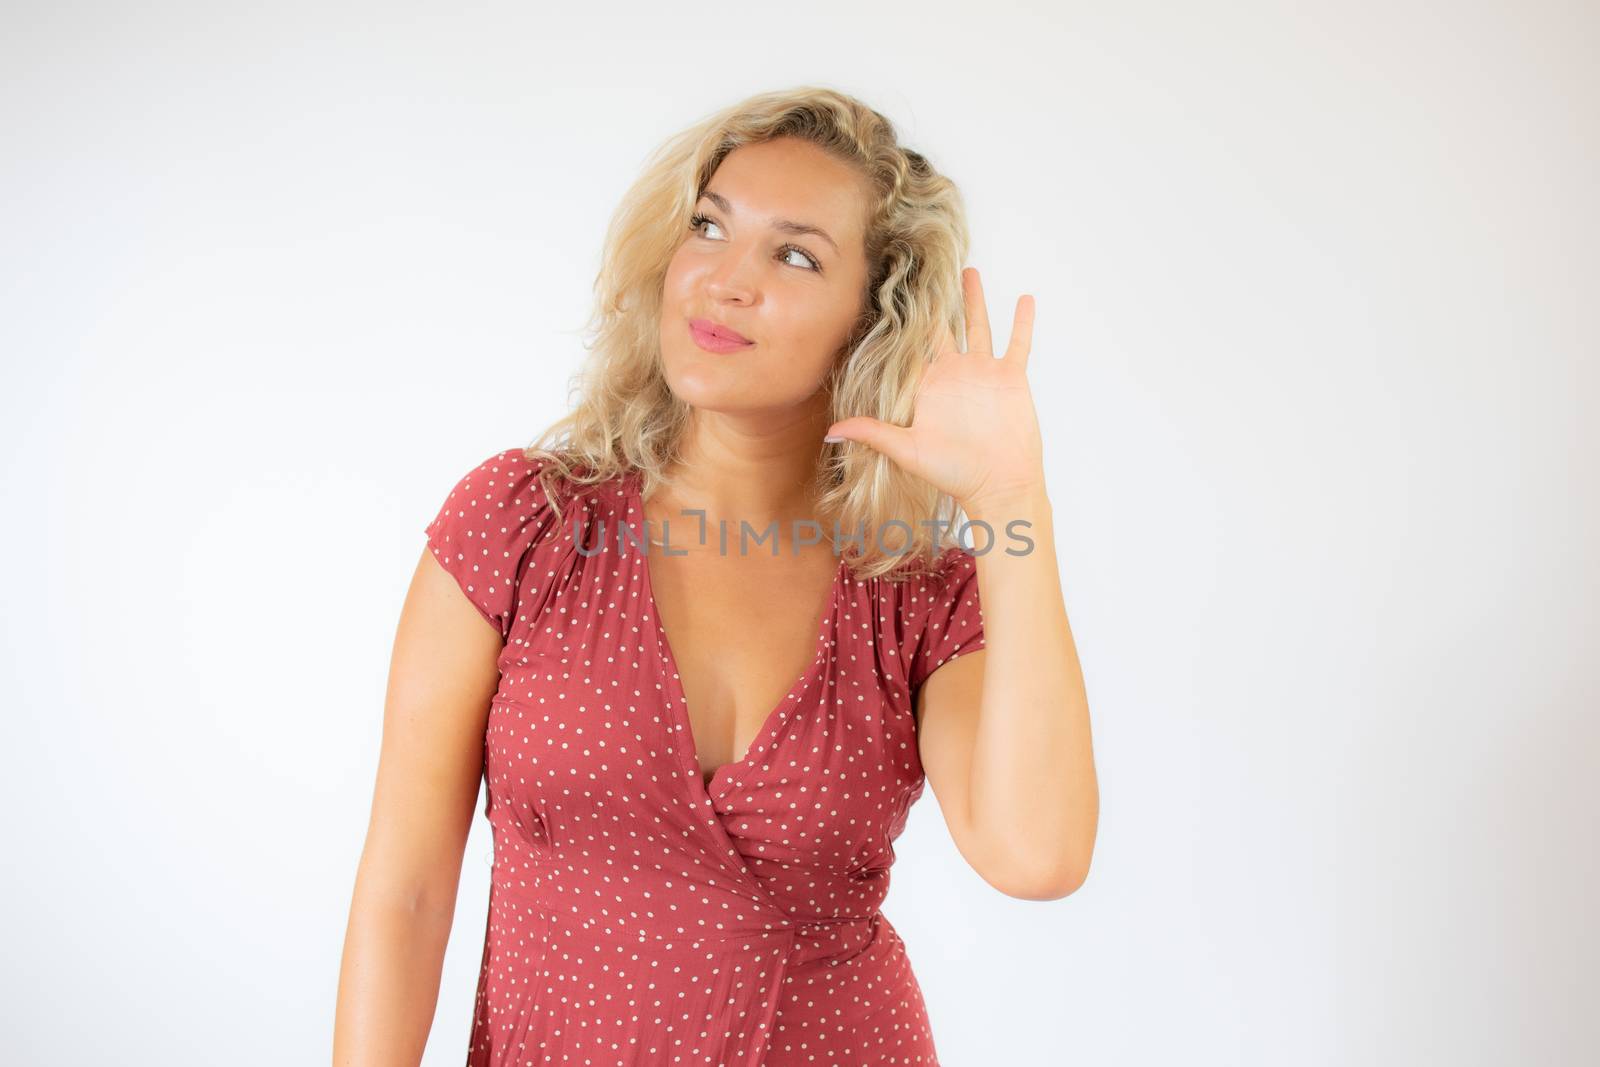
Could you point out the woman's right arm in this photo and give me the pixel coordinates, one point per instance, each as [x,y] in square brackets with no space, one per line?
[442,676]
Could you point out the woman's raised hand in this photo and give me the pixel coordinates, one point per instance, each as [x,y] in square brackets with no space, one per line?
[974,433]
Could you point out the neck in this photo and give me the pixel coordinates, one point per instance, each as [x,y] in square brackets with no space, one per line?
[755,470]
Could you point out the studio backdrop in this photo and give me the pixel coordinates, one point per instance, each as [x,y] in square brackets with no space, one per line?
[1315,361]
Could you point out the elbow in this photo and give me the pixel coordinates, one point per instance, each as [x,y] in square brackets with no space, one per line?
[1025,870]
[1045,883]
[1054,888]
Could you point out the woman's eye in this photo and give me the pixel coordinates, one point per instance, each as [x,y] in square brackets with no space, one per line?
[697,224]
[809,264]
[697,221]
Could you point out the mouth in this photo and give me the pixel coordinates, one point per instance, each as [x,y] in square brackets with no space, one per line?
[717,338]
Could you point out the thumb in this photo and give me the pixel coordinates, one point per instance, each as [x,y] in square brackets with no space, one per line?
[892,441]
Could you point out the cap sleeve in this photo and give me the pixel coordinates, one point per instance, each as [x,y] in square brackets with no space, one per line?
[950,620]
[485,528]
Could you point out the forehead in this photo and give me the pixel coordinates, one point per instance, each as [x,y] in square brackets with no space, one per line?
[790,179]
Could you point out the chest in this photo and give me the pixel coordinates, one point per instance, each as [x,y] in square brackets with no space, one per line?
[742,631]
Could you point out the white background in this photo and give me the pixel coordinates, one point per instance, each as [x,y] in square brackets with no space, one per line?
[1316,358]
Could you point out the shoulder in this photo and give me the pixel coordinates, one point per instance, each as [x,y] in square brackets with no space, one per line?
[491,519]
[941,615]
[514,486]
[501,479]
[926,585]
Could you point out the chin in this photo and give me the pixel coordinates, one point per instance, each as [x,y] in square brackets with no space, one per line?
[698,380]
[711,388]
[711,396]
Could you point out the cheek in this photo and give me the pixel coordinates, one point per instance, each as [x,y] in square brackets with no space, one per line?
[676,287]
[684,270]
[673,283]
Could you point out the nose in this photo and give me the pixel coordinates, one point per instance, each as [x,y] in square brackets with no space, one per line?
[733,278]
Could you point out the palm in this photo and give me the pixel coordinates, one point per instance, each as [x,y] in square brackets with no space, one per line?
[974,433]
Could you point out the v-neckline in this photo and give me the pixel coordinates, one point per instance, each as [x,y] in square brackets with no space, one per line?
[679,700]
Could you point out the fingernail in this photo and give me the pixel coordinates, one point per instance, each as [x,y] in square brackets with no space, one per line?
[832,438]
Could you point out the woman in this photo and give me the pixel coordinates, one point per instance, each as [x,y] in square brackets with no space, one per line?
[691,846]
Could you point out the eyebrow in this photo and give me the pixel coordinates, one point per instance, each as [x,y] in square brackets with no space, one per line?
[786,225]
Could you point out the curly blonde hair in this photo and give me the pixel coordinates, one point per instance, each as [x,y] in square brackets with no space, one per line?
[627,419]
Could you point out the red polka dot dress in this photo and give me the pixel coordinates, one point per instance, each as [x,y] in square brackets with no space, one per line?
[638,915]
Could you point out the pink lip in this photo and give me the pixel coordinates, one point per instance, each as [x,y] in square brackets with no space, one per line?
[713,338]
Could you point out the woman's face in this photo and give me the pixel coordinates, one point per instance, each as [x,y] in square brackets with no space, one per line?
[793,293]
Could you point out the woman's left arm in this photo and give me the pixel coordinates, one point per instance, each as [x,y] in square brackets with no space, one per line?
[1003,731]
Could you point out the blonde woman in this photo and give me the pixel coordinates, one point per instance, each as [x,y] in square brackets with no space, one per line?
[707,638]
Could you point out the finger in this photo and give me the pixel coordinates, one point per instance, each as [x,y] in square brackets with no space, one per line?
[1021,332]
[892,441]
[978,339]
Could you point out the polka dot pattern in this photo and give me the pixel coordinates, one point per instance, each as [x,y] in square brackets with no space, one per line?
[637,913]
